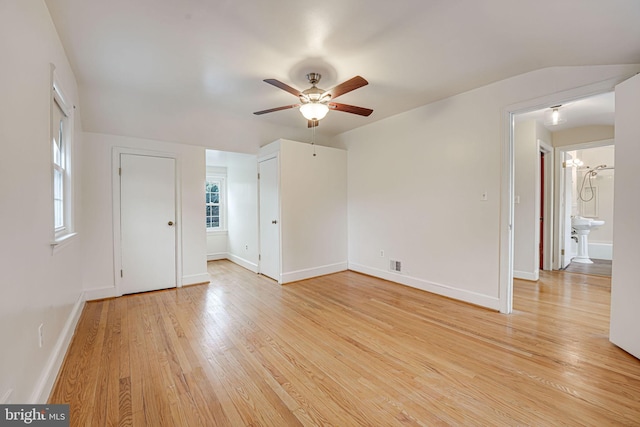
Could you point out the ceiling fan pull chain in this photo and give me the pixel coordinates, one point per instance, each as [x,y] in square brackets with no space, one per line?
[313,138]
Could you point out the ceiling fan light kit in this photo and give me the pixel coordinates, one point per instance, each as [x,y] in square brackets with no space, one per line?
[316,102]
[314,110]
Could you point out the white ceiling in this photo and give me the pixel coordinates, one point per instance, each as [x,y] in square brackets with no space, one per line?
[594,110]
[412,52]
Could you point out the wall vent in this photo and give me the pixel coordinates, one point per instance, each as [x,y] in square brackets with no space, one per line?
[395,266]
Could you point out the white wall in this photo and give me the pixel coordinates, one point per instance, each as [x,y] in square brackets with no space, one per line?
[38,286]
[526,235]
[582,134]
[313,209]
[98,254]
[525,256]
[416,180]
[242,210]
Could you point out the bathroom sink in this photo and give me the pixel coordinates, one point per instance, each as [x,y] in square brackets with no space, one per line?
[581,223]
[582,227]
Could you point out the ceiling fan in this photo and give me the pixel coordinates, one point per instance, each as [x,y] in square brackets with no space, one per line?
[315,102]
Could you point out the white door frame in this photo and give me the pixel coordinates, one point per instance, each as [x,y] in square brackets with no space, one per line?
[549,220]
[560,185]
[117,241]
[507,179]
[260,160]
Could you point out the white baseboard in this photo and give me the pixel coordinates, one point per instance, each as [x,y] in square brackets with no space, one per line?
[217,256]
[601,250]
[99,293]
[45,383]
[293,276]
[243,262]
[193,279]
[110,291]
[526,275]
[435,288]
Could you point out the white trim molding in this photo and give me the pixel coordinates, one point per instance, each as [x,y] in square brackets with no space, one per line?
[194,279]
[217,256]
[293,276]
[435,288]
[45,383]
[251,266]
[100,293]
[527,275]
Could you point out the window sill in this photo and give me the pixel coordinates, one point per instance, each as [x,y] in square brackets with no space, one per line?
[216,232]
[60,242]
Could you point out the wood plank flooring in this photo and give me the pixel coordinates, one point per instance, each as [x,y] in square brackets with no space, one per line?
[600,267]
[348,350]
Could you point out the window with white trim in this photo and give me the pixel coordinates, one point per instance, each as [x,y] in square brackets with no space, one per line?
[215,199]
[61,128]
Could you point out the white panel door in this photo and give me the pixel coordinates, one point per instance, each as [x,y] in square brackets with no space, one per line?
[269,219]
[147,221]
[625,281]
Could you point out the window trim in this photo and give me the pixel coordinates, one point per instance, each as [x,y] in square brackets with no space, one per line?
[222,179]
[62,235]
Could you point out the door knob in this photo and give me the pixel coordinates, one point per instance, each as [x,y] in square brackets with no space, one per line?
[274,222]
[170,223]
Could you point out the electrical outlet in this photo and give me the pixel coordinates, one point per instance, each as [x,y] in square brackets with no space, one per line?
[41,335]
[246,247]
[484,196]
[381,253]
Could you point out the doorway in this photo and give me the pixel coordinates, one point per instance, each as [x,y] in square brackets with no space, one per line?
[586,190]
[591,121]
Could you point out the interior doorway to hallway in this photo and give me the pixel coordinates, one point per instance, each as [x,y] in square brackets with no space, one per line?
[546,171]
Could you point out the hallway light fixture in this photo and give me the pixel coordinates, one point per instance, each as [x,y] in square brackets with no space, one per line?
[554,116]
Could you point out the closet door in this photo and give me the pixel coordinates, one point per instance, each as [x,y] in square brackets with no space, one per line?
[147,220]
[269,218]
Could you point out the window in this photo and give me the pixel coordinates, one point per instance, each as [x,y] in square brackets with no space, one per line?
[61,164]
[214,194]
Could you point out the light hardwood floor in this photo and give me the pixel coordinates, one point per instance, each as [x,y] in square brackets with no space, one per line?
[346,350]
[600,267]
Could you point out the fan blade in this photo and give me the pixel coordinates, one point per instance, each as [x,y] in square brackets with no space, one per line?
[313,123]
[283,86]
[350,109]
[348,86]
[271,110]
